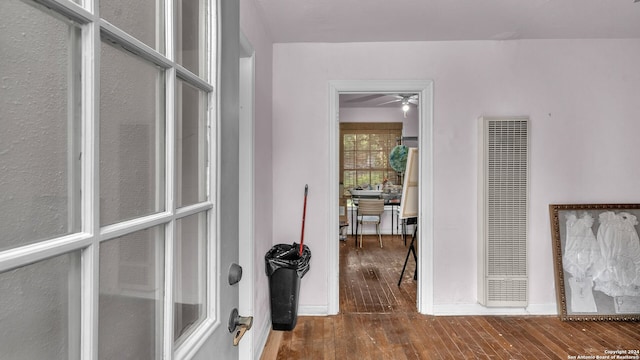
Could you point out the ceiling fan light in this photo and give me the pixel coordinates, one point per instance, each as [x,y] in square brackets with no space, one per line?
[405,108]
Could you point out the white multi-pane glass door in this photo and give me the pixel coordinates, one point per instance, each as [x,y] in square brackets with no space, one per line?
[105,181]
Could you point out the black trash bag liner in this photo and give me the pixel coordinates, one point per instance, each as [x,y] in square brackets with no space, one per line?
[285,256]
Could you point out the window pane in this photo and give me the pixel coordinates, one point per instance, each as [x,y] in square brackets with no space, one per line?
[362,142]
[379,159]
[349,160]
[39,113]
[190,279]
[131,282]
[362,160]
[190,144]
[349,181]
[140,19]
[365,153]
[377,141]
[35,305]
[349,142]
[131,137]
[190,32]
[377,177]
[363,178]
[392,141]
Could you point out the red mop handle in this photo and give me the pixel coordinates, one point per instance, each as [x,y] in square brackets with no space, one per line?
[304,214]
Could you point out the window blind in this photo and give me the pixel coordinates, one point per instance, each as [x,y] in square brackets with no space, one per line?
[364,153]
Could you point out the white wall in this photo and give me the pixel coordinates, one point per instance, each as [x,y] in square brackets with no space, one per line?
[35,171]
[582,98]
[382,114]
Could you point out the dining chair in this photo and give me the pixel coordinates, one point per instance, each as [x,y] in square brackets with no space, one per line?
[370,212]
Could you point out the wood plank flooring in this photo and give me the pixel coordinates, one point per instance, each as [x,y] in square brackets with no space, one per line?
[378,320]
[369,277]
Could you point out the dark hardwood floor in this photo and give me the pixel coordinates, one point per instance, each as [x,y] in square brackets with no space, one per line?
[378,320]
[369,277]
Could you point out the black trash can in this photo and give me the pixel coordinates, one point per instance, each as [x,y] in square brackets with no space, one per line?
[285,267]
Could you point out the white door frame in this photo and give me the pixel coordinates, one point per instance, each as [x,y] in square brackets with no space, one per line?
[425,217]
[246,231]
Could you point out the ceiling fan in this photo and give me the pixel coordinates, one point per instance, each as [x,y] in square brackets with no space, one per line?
[404,99]
[410,98]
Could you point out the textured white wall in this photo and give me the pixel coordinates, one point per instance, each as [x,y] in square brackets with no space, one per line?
[34,309]
[33,120]
[581,96]
[34,52]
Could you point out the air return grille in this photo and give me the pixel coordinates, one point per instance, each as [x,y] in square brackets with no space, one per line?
[502,211]
[506,291]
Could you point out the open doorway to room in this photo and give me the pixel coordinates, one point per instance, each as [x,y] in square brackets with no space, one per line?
[376,130]
[338,267]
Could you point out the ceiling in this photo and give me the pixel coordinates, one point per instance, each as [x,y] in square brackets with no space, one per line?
[439,20]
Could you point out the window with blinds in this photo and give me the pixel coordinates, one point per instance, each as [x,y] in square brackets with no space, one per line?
[364,153]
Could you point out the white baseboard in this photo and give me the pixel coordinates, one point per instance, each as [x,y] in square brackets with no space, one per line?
[457,309]
[477,309]
[261,335]
[313,310]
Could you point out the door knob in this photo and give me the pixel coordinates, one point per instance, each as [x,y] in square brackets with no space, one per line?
[235,273]
[239,324]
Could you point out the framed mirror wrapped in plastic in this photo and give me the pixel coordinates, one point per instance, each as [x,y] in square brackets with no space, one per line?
[597,261]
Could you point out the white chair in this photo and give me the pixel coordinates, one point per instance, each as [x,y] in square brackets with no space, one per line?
[370,212]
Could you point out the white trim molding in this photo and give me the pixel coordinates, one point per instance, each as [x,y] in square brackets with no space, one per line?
[480,310]
[261,335]
[313,310]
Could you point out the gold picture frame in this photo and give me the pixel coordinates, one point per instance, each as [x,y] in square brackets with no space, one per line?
[596,254]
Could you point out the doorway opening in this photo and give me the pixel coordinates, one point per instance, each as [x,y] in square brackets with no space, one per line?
[372,90]
[376,130]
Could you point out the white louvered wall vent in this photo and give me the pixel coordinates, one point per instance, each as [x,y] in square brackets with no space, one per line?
[503,179]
